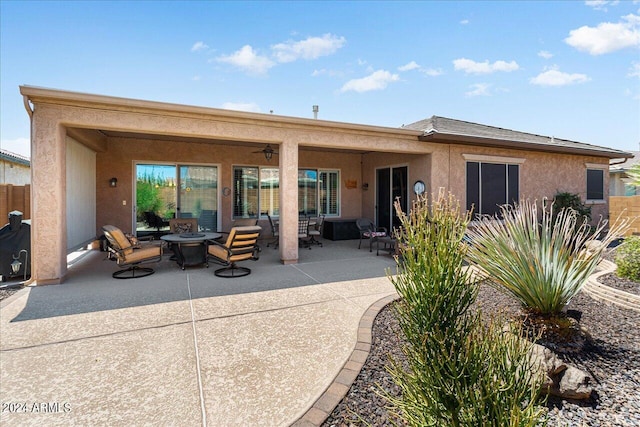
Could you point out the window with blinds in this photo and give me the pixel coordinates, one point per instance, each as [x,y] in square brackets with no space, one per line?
[245,192]
[269,192]
[490,185]
[329,187]
[253,188]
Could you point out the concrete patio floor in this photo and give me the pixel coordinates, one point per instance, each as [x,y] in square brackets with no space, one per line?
[185,347]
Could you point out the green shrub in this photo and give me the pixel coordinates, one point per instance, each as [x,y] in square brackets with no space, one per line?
[460,372]
[542,258]
[628,259]
[563,200]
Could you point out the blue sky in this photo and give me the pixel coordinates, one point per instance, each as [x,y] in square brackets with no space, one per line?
[565,69]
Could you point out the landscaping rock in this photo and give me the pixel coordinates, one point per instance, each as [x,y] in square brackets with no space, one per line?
[561,380]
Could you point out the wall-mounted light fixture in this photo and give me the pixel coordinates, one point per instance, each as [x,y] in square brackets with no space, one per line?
[16,264]
[365,186]
[113,182]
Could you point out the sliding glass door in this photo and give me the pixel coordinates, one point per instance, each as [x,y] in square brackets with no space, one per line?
[175,191]
[391,186]
[198,195]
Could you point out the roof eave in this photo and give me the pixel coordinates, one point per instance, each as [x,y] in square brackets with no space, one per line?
[64,97]
[502,143]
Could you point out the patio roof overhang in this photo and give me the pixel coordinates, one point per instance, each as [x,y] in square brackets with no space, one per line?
[97,136]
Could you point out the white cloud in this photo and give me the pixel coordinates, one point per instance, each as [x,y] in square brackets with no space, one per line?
[607,37]
[325,72]
[310,48]
[432,72]
[464,22]
[196,78]
[408,67]
[554,77]
[544,54]
[248,60]
[634,71]
[601,4]
[20,146]
[250,107]
[376,81]
[197,46]
[479,89]
[472,67]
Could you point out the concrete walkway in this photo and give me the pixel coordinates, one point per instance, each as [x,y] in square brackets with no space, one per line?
[184,347]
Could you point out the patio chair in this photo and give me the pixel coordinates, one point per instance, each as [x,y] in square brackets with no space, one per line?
[369,231]
[303,231]
[316,231]
[241,245]
[274,232]
[183,225]
[128,256]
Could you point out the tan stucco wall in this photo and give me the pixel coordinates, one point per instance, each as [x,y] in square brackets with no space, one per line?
[14,173]
[542,175]
[119,159]
[418,167]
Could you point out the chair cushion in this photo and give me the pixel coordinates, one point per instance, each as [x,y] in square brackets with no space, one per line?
[374,234]
[218,252]
[121,240]
[142,254]
[182,227]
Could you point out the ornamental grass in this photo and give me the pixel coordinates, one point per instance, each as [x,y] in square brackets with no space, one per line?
[542,259]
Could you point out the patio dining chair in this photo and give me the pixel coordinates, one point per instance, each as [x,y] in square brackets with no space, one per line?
[129,256]
[369,231]
[316,230]
[275,232]
[303,231]
[241,245]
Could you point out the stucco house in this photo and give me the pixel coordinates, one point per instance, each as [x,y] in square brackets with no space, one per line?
[620,183]
[91,154]
[14,169]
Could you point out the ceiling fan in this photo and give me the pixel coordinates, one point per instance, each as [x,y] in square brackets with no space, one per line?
[268,152]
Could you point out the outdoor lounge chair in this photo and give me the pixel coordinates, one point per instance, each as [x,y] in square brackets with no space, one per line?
[369,231]
[130,256]
[241,245]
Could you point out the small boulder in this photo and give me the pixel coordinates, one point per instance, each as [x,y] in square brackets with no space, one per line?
[561,379]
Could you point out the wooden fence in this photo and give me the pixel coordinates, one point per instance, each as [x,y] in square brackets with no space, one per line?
[14,198]
[627,207]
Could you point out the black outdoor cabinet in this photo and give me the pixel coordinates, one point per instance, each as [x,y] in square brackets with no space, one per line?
[340,229]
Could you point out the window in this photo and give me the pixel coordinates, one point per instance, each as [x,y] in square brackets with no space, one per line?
[329,193]
[269,192]
[245,192]
[318,192]
[490,185]
[595,184]
[308,192]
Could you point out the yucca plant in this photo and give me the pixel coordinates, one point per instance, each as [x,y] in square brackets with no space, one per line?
[541,261]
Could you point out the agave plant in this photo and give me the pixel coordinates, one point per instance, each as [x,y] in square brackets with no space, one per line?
[541,261]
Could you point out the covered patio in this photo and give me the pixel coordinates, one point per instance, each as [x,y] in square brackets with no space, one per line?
[186,347]
[87,151]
